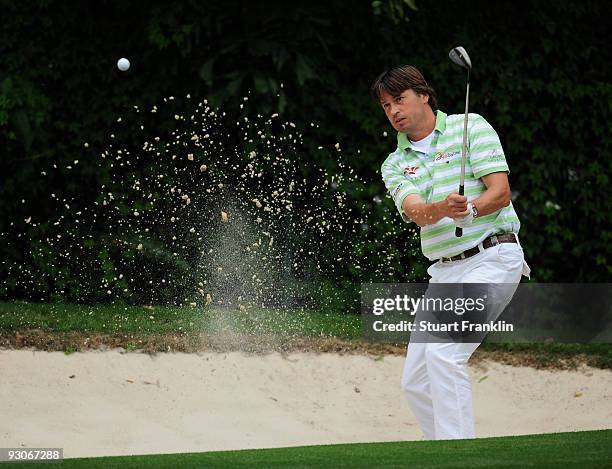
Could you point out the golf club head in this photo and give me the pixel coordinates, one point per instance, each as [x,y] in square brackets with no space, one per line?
[459,56]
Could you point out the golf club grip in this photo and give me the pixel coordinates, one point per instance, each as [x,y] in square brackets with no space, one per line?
[458,230]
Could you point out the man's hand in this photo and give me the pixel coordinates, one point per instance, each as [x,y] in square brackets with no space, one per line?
[455,206]
[467,220]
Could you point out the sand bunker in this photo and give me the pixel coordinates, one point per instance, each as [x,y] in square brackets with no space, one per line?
[109,403]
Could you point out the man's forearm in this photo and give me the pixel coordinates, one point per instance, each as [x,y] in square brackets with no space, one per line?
[492,200]
[423,213]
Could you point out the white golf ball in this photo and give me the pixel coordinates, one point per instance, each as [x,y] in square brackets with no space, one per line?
[123,64]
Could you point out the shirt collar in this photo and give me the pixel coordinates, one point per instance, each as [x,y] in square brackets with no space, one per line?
[403,142]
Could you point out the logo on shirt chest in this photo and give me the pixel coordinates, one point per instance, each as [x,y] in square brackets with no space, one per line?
[446,157]
[410,170]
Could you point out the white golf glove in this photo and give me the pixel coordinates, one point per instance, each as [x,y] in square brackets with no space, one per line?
[467,220]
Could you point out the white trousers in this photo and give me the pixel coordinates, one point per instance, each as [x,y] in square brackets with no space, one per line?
[435,380]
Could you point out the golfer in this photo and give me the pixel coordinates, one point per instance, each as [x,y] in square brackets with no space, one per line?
[422,176]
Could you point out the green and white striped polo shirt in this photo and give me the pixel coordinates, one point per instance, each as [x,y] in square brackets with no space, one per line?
[435,175]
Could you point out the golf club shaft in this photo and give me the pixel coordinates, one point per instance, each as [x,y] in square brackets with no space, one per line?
[458,230]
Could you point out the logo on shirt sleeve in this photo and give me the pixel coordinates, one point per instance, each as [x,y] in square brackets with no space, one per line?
[496,155]
[410,170]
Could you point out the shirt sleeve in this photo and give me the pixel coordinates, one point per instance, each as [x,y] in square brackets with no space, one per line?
[398,185]
[485,152]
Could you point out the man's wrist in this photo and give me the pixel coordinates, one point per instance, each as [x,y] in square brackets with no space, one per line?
[438,210]
[472,207]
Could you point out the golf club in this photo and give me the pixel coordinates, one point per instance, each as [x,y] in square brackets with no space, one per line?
[459,56]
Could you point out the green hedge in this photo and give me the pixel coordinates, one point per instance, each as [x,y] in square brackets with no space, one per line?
[541,77]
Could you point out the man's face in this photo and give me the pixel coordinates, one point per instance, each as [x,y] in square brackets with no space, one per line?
[406,112]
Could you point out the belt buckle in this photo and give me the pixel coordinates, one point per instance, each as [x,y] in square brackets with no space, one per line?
[494,240]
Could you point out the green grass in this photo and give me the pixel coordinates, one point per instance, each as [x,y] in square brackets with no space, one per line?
[107,319]
[546,352]
[579,449]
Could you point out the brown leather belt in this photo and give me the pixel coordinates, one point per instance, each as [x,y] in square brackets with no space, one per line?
[486,244]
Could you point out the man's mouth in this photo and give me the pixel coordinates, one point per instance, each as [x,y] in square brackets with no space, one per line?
[397,121]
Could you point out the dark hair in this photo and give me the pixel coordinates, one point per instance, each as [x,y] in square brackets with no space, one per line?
[400,79]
